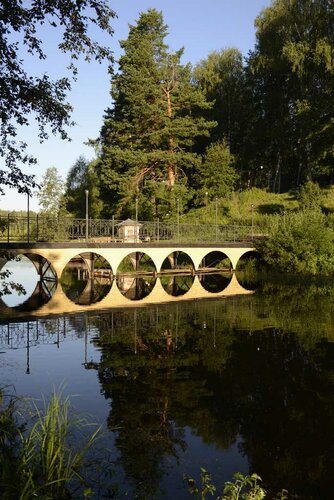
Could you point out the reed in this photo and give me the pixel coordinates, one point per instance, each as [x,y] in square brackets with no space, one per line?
[46,464]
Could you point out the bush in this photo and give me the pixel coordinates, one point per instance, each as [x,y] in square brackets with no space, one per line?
[299,243]
[309,196]
[241,488]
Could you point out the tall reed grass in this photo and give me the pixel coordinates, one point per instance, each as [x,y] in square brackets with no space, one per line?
[45,462]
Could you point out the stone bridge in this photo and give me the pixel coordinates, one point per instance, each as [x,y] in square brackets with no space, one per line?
[50,259]
[58,255]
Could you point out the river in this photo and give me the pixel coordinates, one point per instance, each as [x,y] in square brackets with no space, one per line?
[237,383]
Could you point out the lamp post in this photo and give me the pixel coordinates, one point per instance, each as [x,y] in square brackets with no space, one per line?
[28,217]
[178,219]
[87,193]
[252,221]
[216,218]
[136,208]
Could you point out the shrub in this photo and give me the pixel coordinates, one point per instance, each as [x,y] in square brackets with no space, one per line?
[309,196]
[299,243]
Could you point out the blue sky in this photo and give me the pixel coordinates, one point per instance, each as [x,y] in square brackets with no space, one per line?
[198,26]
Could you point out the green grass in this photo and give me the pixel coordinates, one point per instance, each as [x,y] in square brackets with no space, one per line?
[241,206]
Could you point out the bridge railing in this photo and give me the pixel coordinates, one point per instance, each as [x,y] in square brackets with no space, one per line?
[48,229]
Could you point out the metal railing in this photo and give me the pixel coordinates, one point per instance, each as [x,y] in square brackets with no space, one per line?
[48,229]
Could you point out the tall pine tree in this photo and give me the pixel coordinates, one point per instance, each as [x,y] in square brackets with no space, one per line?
[145,145]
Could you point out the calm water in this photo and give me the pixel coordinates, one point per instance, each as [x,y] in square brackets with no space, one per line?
[243,383]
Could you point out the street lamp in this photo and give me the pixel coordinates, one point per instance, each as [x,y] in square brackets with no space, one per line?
[28,217]
[136,208]
[178,219]
[216,217]
[86,193]
[252,207]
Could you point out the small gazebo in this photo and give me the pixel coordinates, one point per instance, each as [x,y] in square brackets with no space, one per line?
[128,230]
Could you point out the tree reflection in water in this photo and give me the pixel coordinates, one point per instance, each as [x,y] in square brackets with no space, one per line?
[225,371]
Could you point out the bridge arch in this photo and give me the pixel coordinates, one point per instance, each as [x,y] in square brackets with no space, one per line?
[178,259]
[248,256]
[87,278]
[137,261]
[216,260]
[60,254]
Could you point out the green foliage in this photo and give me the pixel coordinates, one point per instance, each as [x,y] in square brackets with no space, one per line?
[239,206]
[51,193]
[242,488]
[299,243]
[82,177]
[309,196]
[207,487]
[291,76]
[25,96]
[43,462]
[7,285]
[221,76]
[216,176]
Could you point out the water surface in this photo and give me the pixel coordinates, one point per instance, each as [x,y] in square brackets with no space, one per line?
[244,383]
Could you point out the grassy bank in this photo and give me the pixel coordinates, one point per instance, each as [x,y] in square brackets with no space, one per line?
[259,204]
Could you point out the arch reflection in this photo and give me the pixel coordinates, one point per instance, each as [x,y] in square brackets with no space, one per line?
[87,278]
[137,262]
[177,285]
[30,282]
[135,287]
[215,282]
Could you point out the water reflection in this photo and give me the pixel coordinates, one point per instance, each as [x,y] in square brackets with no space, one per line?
[43,292]
[87,279]
[215,282]
[29,284]
[135,287]
[178,284]
[225,384]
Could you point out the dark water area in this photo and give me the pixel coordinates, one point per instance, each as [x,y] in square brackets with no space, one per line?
[242,383]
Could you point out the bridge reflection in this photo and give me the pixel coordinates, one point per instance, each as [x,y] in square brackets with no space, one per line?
[166,322]
[102,292]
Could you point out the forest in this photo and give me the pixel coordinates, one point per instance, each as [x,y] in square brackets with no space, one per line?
[228,124]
